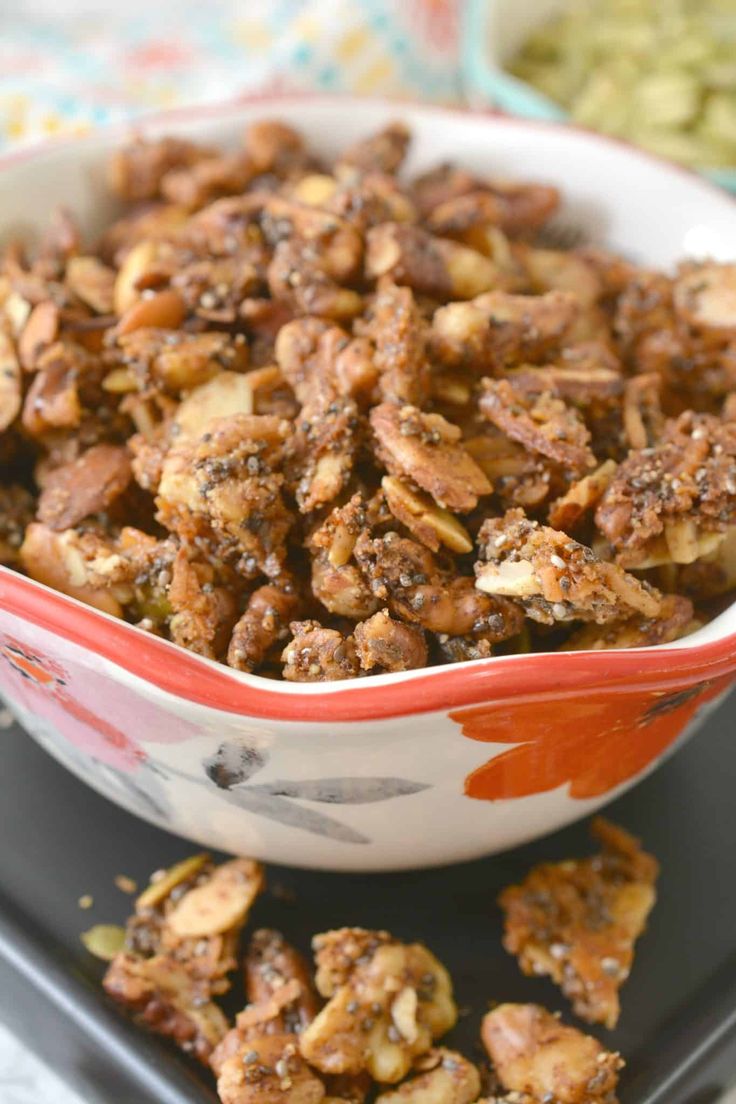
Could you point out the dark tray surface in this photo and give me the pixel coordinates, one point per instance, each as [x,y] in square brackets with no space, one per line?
[678,1028]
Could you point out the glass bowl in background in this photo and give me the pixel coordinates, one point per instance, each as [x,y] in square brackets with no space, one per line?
[493,31]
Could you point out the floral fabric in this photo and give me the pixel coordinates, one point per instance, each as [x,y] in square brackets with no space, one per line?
[67,67]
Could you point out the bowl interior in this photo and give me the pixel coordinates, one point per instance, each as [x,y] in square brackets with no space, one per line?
[620,197]
[612,192]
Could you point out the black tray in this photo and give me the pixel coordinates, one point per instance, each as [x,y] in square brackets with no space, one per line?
[678,1029]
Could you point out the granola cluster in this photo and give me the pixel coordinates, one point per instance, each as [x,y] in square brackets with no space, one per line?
[325,420]
[366,1022]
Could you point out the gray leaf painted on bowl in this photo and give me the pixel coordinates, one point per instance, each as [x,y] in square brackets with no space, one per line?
[284,811]
[343,791]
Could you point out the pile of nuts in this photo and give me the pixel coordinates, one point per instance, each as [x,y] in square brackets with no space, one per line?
[320,421]
[367,1022]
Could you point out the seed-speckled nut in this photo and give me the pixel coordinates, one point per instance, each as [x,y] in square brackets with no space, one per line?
[404,1014]
[510,579]
[315,189]
[227,394]
[165,310]
[220,904]
[162,887]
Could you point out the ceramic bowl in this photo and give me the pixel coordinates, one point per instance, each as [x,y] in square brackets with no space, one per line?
[395,771]
[492,32]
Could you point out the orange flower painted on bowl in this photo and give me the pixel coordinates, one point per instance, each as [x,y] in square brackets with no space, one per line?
[594,742]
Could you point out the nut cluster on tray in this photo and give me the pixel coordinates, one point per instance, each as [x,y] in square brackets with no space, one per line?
[366,1022]
[320,421]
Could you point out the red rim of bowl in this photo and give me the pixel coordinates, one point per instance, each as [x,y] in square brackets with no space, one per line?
[174,670]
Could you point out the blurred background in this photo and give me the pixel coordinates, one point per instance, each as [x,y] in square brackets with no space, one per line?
[67,65]
[660,73]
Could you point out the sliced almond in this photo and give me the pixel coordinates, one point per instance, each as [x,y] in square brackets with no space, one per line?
[510,579]
[404,1013]
[582,496]
[266,378]
[314,189]
[137,262]
[11,396]
[92,282]
[631,591]
[432,524]
[17,311]
[162,886]
[686,543]
[341,549]
[163,310]
[452,391]
[220,904]
[228,393]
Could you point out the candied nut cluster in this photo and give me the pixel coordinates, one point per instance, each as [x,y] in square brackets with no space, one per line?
[577,921]
[180,945]
[365,1022]
[322,420]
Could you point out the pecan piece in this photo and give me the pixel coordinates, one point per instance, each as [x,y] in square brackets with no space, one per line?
[542,423]
[673,503]
[202,615]
[426,449]
[270,964]
[136,171]
[399,335]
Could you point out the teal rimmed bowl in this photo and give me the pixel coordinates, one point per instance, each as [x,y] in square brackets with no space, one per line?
[492,32]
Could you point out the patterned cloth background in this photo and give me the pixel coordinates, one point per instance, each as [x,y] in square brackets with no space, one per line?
[68,66]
